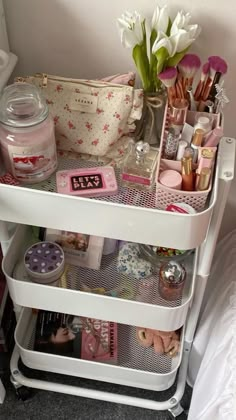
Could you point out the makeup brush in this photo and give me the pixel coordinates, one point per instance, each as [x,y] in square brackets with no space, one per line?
[168,78]
[205,71]
[188,67]
[218,67]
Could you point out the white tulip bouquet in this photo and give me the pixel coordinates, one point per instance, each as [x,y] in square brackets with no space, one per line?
[158,44]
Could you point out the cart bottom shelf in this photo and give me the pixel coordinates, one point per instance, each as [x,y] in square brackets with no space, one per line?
[136,366]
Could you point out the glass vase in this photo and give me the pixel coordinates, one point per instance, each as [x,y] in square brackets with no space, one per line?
[149,128]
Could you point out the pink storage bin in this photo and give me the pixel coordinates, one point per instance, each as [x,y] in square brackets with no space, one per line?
[166,196]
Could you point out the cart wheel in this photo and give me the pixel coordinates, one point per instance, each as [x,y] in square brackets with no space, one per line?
[23,393]
[182,416]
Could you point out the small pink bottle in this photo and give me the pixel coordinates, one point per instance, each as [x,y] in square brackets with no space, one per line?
[27,137]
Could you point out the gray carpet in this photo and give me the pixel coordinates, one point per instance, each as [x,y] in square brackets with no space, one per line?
[53,406]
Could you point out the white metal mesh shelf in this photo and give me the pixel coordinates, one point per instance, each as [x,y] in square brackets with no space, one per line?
[125,196]
[136,366]
[141,309]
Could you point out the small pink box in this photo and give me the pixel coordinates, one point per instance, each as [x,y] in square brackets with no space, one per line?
[87,182]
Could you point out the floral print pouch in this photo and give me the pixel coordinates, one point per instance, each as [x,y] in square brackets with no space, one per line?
[90,116]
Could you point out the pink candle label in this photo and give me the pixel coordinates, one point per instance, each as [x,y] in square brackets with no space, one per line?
[28,162]
[136,179]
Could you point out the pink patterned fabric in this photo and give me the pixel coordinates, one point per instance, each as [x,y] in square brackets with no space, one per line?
[90,116]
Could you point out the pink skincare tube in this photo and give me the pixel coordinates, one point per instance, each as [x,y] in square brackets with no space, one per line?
[214,137]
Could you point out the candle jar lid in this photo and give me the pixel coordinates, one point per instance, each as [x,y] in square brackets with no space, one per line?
[22,105]
[44,262]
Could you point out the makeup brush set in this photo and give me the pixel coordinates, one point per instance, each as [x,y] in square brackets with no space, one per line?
[209,94]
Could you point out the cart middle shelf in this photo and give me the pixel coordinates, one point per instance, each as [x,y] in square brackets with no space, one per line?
[137,309]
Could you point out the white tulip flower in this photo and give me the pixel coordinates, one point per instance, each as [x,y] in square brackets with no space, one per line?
[161,41]
[131,27]
[182,35]
[160,19]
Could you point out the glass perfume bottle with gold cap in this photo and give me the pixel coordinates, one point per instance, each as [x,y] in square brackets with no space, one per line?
[139,168]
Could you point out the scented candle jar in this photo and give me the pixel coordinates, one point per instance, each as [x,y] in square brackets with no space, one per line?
[27,137]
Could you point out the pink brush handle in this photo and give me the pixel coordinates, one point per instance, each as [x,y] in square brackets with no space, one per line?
[198,90]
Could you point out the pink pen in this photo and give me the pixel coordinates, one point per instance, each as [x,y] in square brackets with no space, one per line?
[214,137]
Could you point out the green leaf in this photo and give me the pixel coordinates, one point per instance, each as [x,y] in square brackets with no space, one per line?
[141,60]
[173,61]
[161,56]
[153,37]
[169,27]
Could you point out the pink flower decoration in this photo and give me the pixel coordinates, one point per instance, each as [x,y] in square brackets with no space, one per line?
[71,125]
[95,142]
[110,96]
[116,115]
[127,99]
[56,119]
[49,102]
[59,88]
[95,93]
[120,131]
[80,141]
[99,111]
[105,128]
[67,108]
[89,126]
[77,90]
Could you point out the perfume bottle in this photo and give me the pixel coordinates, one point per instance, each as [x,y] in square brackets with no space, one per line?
[139,168]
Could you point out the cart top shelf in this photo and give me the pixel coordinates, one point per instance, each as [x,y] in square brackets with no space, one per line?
[129,215]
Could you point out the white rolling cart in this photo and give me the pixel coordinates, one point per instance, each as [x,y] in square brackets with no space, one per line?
[127,216]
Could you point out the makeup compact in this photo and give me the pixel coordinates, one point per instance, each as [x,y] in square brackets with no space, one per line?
[87,182]
[44,262]
[171,179]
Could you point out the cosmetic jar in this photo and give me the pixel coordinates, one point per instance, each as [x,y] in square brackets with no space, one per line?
[44,262]
[27,137]
[181,208]
[171,179]
[204,122]
[171,280]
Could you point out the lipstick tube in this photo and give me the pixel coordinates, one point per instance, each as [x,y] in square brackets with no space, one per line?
[203,180]
[187,173]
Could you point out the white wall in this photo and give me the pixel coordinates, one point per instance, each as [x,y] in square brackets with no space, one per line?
[79,38]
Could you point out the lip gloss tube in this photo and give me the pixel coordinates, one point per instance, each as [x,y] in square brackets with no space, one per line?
[214,137]
[187,174]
